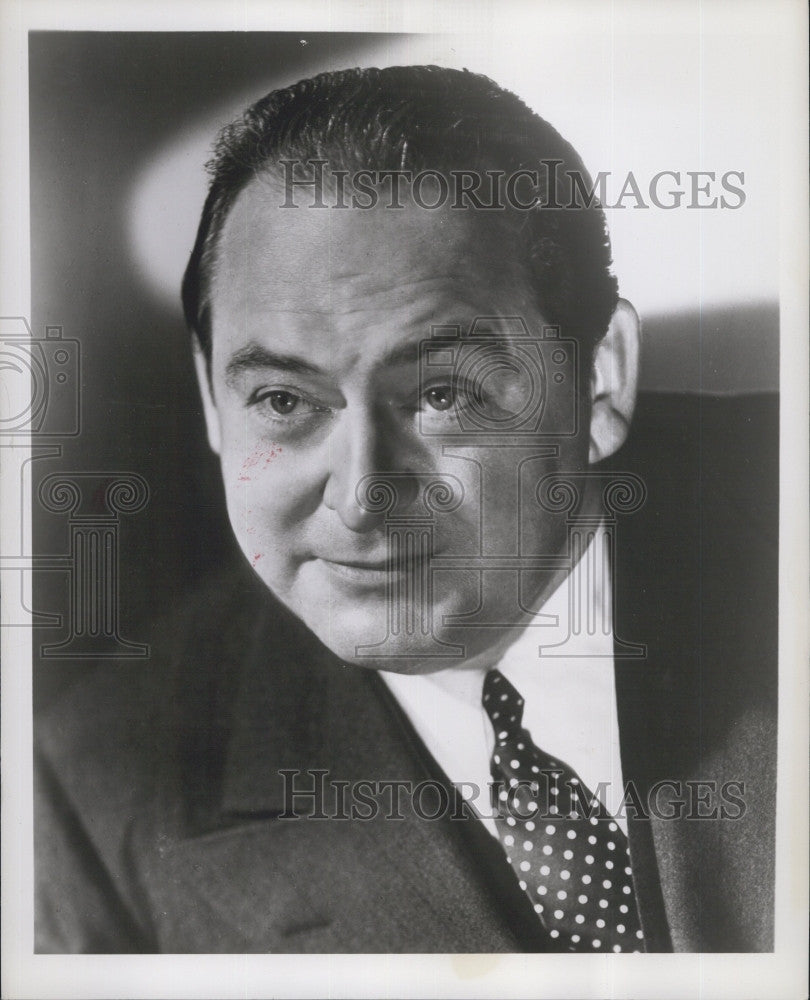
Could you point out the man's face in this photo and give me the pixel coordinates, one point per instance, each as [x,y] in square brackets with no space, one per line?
[317,318]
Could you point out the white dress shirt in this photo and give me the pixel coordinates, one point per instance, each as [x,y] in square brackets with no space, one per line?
[570,702]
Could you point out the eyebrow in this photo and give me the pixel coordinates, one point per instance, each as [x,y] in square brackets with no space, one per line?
[254,356]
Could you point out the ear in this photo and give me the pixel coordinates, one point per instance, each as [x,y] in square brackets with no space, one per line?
[209,406]
[614,380]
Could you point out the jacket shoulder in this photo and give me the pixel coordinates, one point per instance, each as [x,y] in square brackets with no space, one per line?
[113,775]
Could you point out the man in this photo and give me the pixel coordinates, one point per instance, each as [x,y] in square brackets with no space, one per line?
[419,379]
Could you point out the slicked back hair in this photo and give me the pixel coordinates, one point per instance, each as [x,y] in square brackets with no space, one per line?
[418,118]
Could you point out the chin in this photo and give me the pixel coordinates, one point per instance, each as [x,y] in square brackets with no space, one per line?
[359,637]
[350,614]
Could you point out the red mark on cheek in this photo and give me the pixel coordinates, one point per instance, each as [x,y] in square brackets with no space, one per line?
[256,558]
[260,459]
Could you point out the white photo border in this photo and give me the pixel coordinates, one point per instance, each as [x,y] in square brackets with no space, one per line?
[781,974]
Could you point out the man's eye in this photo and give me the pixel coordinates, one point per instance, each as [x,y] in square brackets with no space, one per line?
[440,397]
[283,402]
[450,396]
[276,403]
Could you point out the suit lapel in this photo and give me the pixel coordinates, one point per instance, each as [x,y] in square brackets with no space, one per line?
[393,881]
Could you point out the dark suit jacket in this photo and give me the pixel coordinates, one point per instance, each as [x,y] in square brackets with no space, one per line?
[159,823]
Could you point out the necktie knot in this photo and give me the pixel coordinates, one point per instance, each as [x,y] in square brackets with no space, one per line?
[504,706]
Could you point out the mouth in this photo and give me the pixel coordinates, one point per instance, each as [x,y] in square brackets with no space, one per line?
[369,573]
[357,571]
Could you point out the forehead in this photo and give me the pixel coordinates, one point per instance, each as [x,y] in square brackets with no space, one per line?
[358,271]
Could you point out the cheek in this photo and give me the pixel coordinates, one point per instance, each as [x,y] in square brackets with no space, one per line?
[500,513]
[266,495]
[251,463]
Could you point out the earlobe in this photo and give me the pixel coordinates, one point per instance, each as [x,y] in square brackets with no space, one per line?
[614,382]
[209,406]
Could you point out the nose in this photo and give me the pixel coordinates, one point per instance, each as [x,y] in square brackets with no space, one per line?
[366,445]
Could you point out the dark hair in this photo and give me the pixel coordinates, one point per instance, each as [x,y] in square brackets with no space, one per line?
[418,118]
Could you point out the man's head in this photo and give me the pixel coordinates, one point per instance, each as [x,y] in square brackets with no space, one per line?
[312,327]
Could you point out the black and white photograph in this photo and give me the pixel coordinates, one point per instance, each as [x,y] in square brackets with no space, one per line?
[404,449]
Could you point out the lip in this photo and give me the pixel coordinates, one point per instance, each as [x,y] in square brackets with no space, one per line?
[370,574]
[380,563]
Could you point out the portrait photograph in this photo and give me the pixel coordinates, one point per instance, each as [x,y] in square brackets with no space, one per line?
[404,512]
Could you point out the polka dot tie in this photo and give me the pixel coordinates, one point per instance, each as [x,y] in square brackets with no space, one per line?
[570,856]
